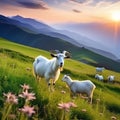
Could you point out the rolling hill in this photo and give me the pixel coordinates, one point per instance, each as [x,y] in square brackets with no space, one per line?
[107,34]
[42,28]
[68,35]
[16,34]
[15,58]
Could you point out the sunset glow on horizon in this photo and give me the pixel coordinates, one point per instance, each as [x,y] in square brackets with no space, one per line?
[60,11]
[116,16]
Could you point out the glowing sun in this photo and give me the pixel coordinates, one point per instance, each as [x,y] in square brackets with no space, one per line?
[116,16]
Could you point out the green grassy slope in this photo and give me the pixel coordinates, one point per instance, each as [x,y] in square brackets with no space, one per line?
[21,48]
[80,54]
[13,73]
[94,59]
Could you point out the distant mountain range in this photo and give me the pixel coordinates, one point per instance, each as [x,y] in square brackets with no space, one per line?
[72,37]
[107,35]
[22,30]
[39,27]
[14,31]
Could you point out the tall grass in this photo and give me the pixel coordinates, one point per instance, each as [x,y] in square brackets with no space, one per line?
[13,73]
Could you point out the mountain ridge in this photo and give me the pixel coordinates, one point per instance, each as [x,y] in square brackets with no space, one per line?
[16,34]
[68,36]
[107,34]
[47,29]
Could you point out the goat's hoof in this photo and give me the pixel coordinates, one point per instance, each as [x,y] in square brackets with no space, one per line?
[48,84]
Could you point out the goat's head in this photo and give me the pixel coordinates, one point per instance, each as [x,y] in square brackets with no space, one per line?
[65,78]
[60,56]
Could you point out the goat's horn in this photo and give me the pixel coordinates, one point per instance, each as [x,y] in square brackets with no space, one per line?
[67,54]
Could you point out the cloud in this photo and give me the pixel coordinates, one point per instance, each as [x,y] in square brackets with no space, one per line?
[95,2]
[112,1]
[55,2]
[33,5]
[79,1]
[5,2]
[76,11]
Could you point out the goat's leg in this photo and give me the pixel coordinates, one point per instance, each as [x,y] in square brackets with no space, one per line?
[90,98]
[38,78]
[49,84]
[72,95]
[53,85]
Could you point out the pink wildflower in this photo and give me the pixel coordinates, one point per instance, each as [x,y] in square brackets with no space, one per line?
[64,106]
[72,104]
[11,98]
[25,87]
[28,96]
[27,110]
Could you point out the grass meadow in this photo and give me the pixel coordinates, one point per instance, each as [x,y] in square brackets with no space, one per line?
[16,69]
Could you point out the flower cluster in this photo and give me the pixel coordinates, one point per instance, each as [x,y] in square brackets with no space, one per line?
[27,109]
[11,100]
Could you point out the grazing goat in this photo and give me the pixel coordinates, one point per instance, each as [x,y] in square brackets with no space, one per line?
[99,77]
[111,78]
[99,69]
[50,68]
[81,87]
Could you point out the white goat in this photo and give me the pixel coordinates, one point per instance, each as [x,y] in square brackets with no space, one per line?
[100,69]
[111,78]
[83,87]
[99,77]
[50,68]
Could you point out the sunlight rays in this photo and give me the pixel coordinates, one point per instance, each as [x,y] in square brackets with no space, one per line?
[116,16]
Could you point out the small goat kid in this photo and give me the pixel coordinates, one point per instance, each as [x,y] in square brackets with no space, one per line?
[111,78]
[81,87]
[99,77]
[99,69]
[50,68]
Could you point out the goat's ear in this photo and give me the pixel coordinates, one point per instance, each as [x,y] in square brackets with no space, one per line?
[67,54]
[53,55]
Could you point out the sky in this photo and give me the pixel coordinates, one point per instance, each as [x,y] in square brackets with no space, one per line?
[56,12]
[61,11]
